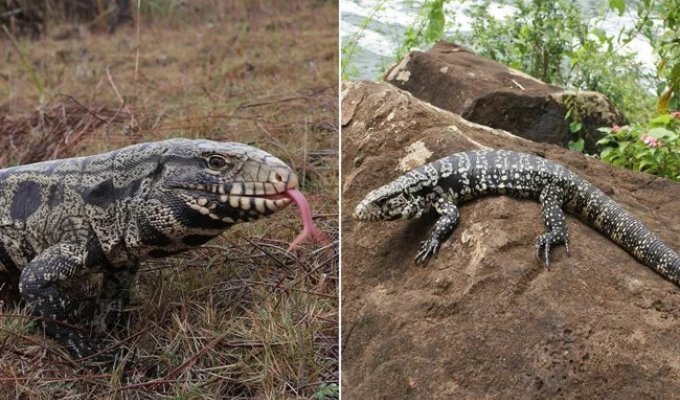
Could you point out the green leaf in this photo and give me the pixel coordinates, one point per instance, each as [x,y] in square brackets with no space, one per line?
[643,164]
[674,104]
[435,26]
[675,74]
[605,153]
[601,34]
[660,133]
[661,87]
[661,120]
[604,129]
[642,154]
[575,126]
[604,140]
[618,5]
[576,145]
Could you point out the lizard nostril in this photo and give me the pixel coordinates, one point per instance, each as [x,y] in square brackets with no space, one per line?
[278,176]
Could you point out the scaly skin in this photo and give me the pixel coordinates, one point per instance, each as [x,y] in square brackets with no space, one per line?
[63,220]
[450,181]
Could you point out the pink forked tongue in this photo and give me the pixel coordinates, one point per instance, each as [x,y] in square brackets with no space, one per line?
[309,229]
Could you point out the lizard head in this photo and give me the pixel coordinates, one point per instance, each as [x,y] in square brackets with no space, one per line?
[227,182]
[390,202]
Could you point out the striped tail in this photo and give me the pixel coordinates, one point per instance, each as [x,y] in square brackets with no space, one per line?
[598,210]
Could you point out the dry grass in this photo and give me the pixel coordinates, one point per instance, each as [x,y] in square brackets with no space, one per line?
[241,317]
[52,131]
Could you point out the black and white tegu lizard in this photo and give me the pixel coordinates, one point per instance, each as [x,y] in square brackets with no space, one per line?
[445,183]
[62,220]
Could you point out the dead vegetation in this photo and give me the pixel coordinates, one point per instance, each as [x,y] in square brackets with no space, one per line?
[52,131]
[241,317]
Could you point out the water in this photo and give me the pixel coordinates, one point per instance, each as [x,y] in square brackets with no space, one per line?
[383,35]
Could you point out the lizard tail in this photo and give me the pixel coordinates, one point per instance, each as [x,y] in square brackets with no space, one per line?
[604,214]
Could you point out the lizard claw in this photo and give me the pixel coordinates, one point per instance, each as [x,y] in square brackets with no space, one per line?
[543,243]
[84,348]
[428,249]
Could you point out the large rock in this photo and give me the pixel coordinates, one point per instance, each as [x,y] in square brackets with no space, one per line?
[485,319]
[484,91]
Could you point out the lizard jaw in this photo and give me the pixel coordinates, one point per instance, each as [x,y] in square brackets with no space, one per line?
[234,202]
[367,211]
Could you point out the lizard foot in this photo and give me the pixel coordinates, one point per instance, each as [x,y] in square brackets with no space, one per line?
[111,317]
[544,244]
[428,249]
[87,349]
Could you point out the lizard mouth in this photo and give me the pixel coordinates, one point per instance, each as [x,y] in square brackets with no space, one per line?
[260,197]
[251,200]
[264,204]
[239,201]
[365,212]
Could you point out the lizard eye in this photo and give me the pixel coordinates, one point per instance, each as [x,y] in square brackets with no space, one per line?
[217,162]
[381,202]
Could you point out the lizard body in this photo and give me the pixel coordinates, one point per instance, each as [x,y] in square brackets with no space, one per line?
[62,220]
[445,183]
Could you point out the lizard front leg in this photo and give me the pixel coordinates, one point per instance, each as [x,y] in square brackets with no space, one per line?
[442,229]
[114,298]
[41,285]
[556,233]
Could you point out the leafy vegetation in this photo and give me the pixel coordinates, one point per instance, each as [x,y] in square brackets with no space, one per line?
[429,27]
[553,41]
[659,22]
[653,148]
[350,45]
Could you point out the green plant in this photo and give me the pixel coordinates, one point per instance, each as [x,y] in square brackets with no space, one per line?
[429,27]
[535,39]
[653,148]
[577,143]
[553,41]
[327,391]
[669,52]
[659,22]
[348,50]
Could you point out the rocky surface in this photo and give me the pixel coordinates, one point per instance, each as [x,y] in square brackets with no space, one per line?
[489,93]
[485,319]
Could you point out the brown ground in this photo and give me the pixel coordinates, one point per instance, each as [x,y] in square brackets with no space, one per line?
[240,318]
[485,320]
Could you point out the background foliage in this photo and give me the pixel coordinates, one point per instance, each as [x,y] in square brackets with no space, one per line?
[553,41]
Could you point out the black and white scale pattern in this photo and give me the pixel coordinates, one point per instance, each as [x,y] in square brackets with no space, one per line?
[450,181]
[63,220]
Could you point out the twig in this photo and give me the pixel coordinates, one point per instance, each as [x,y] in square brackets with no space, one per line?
[139,5]
[89,110]
[27,64]
[517,83]
[285,99]
[133,122]
[276,260]
[170,377]
[115,88]
[305,150]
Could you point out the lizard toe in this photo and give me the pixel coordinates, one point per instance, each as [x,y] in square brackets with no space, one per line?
[428,249]
[543,243]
